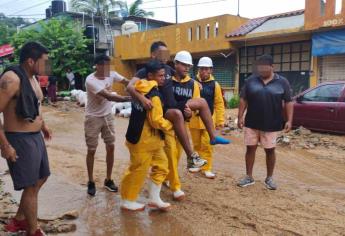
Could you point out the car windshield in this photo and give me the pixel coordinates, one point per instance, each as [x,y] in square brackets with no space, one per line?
[325,93]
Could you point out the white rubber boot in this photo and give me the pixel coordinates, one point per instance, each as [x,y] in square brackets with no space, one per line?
[194,170]
[132,206]
[210,174]
[155,199]
[179,195]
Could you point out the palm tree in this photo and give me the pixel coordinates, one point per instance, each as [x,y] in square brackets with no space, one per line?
[135,10]
[110,8]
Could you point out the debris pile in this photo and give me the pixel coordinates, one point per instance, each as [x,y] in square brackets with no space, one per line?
[306,139]
[123,109]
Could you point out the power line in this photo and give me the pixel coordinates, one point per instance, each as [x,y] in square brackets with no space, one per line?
[28,8]
[26,15]
[184,5]
[152,1]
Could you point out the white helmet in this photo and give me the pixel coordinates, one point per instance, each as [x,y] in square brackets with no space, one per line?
[205,62]
[184,57]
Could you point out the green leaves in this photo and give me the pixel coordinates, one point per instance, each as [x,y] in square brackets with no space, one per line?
[135,10]
[104,7]
[67,46]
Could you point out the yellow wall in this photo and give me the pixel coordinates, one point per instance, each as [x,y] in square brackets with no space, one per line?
[315,69]
[136,46]
[124,68]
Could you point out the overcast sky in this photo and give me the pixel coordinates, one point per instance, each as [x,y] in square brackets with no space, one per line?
[164,9]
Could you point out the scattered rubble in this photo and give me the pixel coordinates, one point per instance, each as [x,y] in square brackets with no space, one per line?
[306,139]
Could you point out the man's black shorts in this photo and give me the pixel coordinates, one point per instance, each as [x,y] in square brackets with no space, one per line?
[32,159]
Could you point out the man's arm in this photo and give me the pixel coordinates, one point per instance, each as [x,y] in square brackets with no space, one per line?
[155,116]
[7,150]
[147,104]
[289,113]
[242,108]
[288,106]
[9,85]
[113,97]
[219,107]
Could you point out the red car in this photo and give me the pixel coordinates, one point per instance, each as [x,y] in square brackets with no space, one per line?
[321,108]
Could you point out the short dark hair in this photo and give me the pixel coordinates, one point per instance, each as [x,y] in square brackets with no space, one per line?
[33,50]
[155,46]
[101,59]
[264,60]
[153,66]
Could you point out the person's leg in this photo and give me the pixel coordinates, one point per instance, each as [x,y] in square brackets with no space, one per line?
[250,159]
[269,141]
[196,138]
[206,150]
[135,175]
[53,94]
[90,159]
[108,135]
[29,205]
[173,154]
[110,160]
[20,213]
[200,105]
[159,171]
[92,127]
[270,161]
[175,116]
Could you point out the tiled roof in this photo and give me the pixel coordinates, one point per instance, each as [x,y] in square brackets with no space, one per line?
[256,22]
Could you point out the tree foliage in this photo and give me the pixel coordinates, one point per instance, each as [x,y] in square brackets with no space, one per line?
[67,46]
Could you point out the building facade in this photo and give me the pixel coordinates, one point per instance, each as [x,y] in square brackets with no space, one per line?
[308,45]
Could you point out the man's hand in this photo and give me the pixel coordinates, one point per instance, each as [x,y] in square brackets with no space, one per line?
[47,133]
[240,122]
[187,112]
[147,103]
[9,153]
[288,126]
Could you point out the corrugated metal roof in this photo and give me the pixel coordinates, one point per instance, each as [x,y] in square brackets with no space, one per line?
[256,22]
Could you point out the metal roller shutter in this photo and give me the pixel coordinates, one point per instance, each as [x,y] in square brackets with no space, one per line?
[332,68]
[223,71]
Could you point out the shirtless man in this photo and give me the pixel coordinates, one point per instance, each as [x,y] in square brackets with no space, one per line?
[21,141]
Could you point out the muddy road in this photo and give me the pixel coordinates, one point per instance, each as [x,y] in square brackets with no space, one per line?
[310,199]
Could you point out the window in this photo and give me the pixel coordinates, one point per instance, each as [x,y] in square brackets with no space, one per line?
[326,93]
[198,32]
[286,57]
[207,31]
[216,29]
[338,6]
[190,34]
[259,51]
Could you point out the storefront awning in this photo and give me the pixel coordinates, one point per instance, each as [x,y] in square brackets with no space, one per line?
[5,50]
[329,43]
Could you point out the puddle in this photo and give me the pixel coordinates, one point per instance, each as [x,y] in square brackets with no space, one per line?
[100,215]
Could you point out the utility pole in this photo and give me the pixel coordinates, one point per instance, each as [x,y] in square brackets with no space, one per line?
[238,8]
[176,11]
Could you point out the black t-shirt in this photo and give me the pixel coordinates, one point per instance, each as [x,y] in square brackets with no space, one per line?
[52,80]
[167,89]
[265,102]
